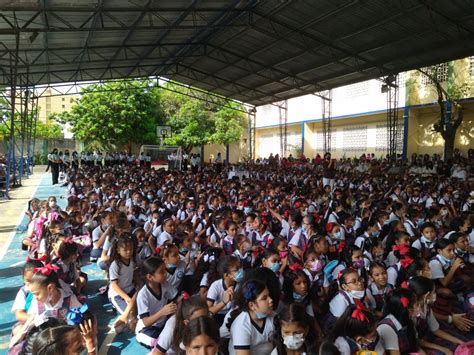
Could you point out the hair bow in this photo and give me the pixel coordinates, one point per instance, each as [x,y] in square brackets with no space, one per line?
[258,250]
[75,316]
[402,249]
[359,314]
[295,267]
[158,250]
[248,294]
[405,302]
[406,261]
[404,284]
[46,270]
[185,296]
[297,204]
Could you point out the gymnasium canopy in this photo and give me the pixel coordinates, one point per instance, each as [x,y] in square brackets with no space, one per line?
[256,52]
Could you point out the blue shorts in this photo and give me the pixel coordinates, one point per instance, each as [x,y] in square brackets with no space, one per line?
[119,303]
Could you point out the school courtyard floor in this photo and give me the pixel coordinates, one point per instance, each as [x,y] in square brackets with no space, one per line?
[13,223]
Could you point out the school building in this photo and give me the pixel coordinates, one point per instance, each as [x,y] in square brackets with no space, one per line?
[359,119]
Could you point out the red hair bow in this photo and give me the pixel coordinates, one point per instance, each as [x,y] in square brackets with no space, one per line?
[295,267]
[257,250]
[185,296]
[158,250]
[406,262]
[341,247]
[402,249]
[297,204]
[404,284]
[359,315]
[46,270]
[405,302]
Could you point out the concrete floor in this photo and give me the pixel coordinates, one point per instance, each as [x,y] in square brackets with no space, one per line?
[11,211]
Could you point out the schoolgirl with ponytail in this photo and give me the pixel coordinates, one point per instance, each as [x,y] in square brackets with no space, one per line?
[48,296]
[251,323]
[396,328]
[356,331]
[189,308]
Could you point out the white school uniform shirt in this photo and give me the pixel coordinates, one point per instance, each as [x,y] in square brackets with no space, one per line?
[96,234]
[124,276]
[215,294]
[53,310]
[165,339]
[392,273]
[388,335]
[163,238]
[343,346]
[391,259]
[149,302]
[245,334]
[360,240]
[176,277]
[438,267]
[339,304]
[423,243]
[372,291]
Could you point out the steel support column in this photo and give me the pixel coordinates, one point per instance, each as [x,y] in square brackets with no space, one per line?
[326,114]
[390,86]
[252,126]
[283,117]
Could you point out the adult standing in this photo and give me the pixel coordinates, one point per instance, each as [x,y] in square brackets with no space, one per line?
[194,163]
[329,170]
[54,163]
[218,163]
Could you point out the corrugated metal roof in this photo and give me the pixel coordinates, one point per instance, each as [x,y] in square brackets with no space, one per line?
[253,51]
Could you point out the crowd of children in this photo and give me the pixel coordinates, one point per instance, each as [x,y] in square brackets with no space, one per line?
[302,257]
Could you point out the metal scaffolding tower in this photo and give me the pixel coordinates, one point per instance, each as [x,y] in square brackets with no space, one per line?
[252,130]
[283,115]
[19,114]
[326,106]
[390,86]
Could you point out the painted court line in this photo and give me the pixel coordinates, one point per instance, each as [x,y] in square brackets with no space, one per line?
[104,347]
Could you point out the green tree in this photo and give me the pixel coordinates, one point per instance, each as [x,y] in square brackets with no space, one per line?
[451,111]
[230,125]
[115,114]
[195,122]
[48,130]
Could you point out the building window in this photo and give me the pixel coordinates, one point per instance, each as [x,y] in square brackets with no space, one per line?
[354,139]
[381,139]
[64,106]
[440,72]
[62,99]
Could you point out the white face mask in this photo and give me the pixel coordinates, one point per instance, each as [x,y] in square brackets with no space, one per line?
[52,204]
[293,342]
[357,294]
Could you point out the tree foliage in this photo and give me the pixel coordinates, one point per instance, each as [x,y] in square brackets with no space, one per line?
[196,122]
[450,105]
[115,114]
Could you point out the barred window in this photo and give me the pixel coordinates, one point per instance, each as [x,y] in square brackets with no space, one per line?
[381,139]
[440,72]
[354,139]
